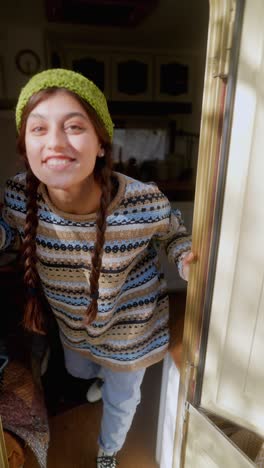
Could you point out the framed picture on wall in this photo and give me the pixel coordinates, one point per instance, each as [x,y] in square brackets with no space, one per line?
[132,76]
[173,78]
[95,65]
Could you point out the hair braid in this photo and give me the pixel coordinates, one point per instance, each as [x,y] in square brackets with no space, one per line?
[33,316]
[104,177]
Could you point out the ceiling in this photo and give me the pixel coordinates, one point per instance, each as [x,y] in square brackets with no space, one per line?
[123,13]
[171,24]
[174,24]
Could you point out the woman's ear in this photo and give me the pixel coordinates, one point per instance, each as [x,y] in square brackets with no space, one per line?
[101,153]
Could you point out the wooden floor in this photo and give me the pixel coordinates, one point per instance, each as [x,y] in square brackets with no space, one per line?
[74,432]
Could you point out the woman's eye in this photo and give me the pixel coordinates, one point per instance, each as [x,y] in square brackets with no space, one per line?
[74,128]
[38,129]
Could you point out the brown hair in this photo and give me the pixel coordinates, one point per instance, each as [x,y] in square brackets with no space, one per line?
[34,316]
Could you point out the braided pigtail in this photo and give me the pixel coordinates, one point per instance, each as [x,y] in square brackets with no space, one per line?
[33,316]
[104,178]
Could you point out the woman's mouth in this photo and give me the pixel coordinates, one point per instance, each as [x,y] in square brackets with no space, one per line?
[58,162]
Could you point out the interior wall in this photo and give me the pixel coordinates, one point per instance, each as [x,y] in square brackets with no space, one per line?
[172,27]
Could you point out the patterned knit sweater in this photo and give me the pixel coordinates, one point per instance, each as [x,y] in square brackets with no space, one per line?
[131,327]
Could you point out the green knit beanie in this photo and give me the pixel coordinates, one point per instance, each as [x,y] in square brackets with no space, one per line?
[58,77]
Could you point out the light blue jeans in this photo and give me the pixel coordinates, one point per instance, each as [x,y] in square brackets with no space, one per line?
[120,392]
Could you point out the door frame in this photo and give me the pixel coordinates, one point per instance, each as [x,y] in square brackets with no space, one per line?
[224,30]
[3,453]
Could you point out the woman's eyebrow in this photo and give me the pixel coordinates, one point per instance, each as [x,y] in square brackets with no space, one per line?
[36,115]
[65,116]
[75,114]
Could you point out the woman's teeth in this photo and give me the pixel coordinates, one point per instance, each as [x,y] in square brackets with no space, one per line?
[52,162]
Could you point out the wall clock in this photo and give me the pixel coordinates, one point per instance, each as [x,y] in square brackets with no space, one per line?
[27,61]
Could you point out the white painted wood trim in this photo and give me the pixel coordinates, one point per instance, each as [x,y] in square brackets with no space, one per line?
[246,147]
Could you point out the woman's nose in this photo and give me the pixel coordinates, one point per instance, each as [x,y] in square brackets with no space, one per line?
[56,139]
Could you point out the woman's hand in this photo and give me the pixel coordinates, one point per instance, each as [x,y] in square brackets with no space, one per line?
[189,258]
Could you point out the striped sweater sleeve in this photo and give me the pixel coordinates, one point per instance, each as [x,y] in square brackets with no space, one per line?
[9,237]
[176,240]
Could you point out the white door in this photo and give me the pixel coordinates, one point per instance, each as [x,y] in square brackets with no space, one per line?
[233,383]
[233,378]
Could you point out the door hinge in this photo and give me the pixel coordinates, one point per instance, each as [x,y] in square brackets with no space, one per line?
[186,410]
[222,76]
[191,368]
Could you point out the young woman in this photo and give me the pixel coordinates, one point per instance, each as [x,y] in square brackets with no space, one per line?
[90,240]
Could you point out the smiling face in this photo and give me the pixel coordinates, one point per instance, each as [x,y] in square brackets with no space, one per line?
[61,142]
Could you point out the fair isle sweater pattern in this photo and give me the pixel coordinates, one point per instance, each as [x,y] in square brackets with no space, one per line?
[131,327]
